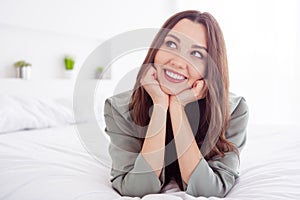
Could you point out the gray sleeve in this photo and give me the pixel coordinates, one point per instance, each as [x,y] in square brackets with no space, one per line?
[131,174]
[217,176]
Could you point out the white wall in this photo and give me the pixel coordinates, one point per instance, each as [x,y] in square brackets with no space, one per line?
[43,32]
[88,18]
[45,50]
[263,52]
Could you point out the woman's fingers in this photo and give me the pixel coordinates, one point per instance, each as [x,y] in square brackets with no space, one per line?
[149,76]
[151,85]
[195,93]
[198,88]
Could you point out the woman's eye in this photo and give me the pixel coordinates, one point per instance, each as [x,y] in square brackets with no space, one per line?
[171,44]
[197,54]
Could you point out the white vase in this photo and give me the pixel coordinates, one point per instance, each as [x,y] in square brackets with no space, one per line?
[98,75]
[26,73]
[18,71]
[69,74]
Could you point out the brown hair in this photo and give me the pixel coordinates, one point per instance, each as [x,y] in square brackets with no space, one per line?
[214,108]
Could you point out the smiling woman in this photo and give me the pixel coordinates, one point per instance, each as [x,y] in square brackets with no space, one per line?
[180,126]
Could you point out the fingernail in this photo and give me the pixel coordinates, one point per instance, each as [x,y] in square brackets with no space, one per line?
[200,84]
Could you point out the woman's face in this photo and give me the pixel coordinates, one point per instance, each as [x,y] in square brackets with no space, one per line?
[181,60]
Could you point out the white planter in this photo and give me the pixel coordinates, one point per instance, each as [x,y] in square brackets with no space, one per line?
[18,72]
[69,74]
[98,75]
[26,73]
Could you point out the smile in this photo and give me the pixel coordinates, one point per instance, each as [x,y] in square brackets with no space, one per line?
[174,77]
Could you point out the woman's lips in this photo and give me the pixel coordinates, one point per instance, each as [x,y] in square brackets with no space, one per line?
[174,77]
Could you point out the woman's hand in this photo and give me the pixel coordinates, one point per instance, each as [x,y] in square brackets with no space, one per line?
[198,91]
[151,85]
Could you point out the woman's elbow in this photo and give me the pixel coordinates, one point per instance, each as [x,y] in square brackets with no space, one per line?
[207,194]
[136,189]
[218,189]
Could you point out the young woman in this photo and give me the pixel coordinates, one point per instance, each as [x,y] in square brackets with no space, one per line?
[179,126]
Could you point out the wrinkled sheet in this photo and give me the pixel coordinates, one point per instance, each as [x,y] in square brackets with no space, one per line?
[53,163]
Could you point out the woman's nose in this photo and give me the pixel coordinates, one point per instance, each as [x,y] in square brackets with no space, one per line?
[178,62]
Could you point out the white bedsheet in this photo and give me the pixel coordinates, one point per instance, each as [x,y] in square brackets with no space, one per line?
[53,164]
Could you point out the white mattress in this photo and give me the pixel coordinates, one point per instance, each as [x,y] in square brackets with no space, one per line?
[53,164]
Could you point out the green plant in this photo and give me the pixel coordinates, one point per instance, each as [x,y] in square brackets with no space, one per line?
[22,63]
[69,63]
[100,69]
[99,72]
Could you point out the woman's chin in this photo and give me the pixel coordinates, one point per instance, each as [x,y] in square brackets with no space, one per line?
[171,91]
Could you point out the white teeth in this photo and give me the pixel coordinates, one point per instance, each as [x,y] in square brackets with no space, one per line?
[175,76]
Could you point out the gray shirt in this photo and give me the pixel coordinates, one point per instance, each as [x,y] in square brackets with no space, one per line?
[133,176]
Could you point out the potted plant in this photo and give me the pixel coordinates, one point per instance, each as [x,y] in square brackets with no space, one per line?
[23,69]
[69,66]
[99,72]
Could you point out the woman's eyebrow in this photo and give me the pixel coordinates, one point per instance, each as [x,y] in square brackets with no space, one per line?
[173,36]
[199,47]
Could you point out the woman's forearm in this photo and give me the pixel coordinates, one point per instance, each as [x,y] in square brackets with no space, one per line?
[153,149]
[187,149]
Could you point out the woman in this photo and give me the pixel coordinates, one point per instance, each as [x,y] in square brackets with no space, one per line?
[180,126]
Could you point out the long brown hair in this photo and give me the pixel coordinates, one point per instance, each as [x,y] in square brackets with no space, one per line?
[214,108]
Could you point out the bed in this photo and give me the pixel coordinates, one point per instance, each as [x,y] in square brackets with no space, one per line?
[42,156]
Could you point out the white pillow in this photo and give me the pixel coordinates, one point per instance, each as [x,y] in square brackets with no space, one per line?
[20,113]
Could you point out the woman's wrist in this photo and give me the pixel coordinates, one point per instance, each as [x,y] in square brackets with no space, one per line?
[162,103]
[175,107]
[175,102]
[160,106]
